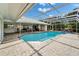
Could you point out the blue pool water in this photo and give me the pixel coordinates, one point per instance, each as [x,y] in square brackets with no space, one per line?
[42,36]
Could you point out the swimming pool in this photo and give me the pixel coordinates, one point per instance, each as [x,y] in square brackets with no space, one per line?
[42,36]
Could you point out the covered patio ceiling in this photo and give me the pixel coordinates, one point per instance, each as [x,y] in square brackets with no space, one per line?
[13,11]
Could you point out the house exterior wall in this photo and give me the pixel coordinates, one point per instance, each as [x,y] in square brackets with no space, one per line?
[1,30]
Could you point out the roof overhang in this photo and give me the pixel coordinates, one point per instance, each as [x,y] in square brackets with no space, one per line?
[26,20]
[13,11]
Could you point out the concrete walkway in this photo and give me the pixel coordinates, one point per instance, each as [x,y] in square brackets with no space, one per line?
[63,45]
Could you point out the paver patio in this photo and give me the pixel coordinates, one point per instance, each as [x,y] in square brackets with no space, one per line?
[62,45]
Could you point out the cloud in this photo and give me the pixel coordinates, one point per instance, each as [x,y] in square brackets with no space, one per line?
[43,4]
[50,15]
[43,10]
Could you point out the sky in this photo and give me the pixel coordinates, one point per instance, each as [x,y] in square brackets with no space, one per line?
[38,10]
